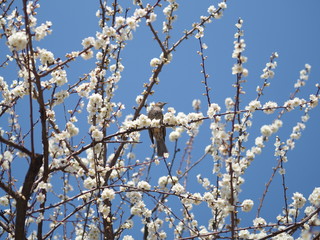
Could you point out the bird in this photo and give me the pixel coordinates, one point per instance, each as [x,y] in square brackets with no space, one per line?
[158,134]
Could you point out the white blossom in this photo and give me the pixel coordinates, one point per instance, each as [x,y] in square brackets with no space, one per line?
[108,193]
[247,205]
[211,9]
[72,129]
[4,201]
[87,42]
[266,130]
[269,107]
[174,135]
[213,109]
[223,5]
[18,41]
[87,54]
[41,197]
[127,237]
[155,62]
[152,17]
[42,30]
[143,185]
[132,23]
[120,21]
[59,77]
[259,222]
[253,105]
[314,197]
[178,188]
[46,57]
[244,234]
[298,200]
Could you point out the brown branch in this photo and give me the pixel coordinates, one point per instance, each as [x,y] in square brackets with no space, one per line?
[15,146]
[293,226]
[204,72]
[66,218]
[9,191]
[22,201]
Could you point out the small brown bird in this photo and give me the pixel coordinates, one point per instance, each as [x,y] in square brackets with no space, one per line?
[159,134]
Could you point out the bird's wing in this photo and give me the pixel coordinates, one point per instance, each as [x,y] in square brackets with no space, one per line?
[164,132]
[151,135]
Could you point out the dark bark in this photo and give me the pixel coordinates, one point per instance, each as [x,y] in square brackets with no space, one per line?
[22,201]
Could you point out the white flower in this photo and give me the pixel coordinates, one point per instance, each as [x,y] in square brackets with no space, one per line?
[108,193]
[143,185]
[138,208]
[87,54]
[132,23]
[174,135]
[4,201]
[247,205]
[128,224]
[208,197]
[266,130]
[120,21]
[213,109]
[244,234]
[59,77]
[155,62]
[18,41]
[89,41]
[259,222]
[42,30]
[223,5]
[211,9]
[139,13]
[298,200]
[313,100]
[139,99]
[94,232]
[314,197]
[89,183]
[152,17]
[253,105]
[245,72]
[308,67]
[104,210]
[127,237]
[237,68]
[167,59]
[46,57]
[269,107]
[200,33]
[116,67]
[8,156]
[41,197]
[72,129]
[97,135]
[196,104]
[178,188]
[61,96]
[229,103]
[109,31]
[166,180]
[95,102]
[284,236]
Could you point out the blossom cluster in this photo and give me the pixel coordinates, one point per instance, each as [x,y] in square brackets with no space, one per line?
[180,123]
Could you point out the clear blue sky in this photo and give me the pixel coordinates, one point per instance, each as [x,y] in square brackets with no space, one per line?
[290,28]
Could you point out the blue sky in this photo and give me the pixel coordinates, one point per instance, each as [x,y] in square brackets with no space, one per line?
[290,28]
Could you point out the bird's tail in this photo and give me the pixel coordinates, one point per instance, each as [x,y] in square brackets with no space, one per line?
[161,147]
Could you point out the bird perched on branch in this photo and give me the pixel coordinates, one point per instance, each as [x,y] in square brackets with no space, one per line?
[159,134]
